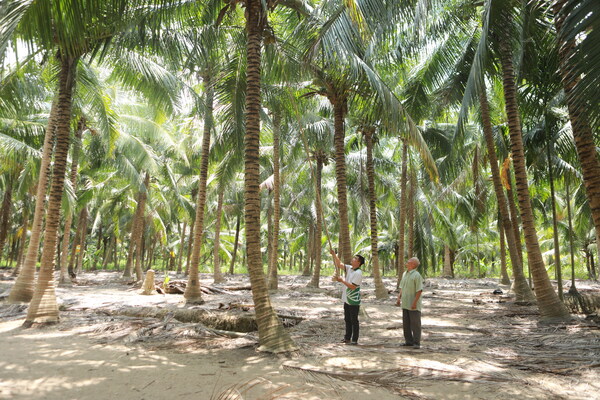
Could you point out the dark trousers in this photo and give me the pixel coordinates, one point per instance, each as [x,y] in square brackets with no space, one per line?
[351,319]
[411,323]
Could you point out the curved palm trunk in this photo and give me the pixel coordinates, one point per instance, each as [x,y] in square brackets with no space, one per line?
[22,291]
[316,277]
[339,109]
[522,290]
[582,132]
[217,275]
[549,304]
[276,203]
[271,334]
[64,261]
[380,290]
[192,294]
[43,307]
[403,211]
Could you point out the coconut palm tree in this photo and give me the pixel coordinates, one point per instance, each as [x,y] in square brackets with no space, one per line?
[549,304]
[579,72]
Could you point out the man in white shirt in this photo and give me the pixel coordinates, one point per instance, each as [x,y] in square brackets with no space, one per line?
[350,294]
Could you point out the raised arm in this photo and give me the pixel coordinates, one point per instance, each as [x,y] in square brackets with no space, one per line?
[338,263]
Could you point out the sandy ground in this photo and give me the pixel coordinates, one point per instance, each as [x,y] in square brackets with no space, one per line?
[475,346]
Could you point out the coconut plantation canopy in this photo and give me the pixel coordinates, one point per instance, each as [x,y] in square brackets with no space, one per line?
[222,138]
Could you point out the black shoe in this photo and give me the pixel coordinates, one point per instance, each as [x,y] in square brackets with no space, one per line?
[346,341]
[407,345]
[416,346]
[352,343]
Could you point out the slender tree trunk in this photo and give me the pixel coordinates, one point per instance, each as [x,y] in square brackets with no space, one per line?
[573,289]
[24,227]
[94,260]
[403,211]
[380,290]
[235,243]
[309,248]
[410,217]
[549,304]
[43,307]
[64,262]
[82,241]
[189,250]
[127,273]
[4,215]
[504,278]
[582,132]
[218,276]
[316,277]
[140,228]
[340,107]
[276,202]
[22,291]
[109,252]
[192,294]
[557,265]
[181,248]
[521,288]
[272,336]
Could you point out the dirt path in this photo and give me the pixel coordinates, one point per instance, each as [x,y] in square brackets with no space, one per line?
[475,346]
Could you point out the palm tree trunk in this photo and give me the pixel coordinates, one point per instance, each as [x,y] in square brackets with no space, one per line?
[521,288]
[403,210]
[69,217]
[140,228]
[217,275]
[192,294]
[549,304]
[504,278]
[22,291]
[235,243]
[43,307]
[82,239]
[557,265]
[4,215]
[572,289]
[310,244]
[447,272]
[127,273]
[582,132]
[380,290]
[24,227]
[410,217]
[276,202]
[340,106]
[181,248]
[271,334]
[316,277]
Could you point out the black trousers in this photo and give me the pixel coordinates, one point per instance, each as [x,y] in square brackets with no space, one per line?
[351,319]
[411,323]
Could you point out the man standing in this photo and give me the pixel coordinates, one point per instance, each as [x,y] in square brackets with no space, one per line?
[409,297]
[350,294]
